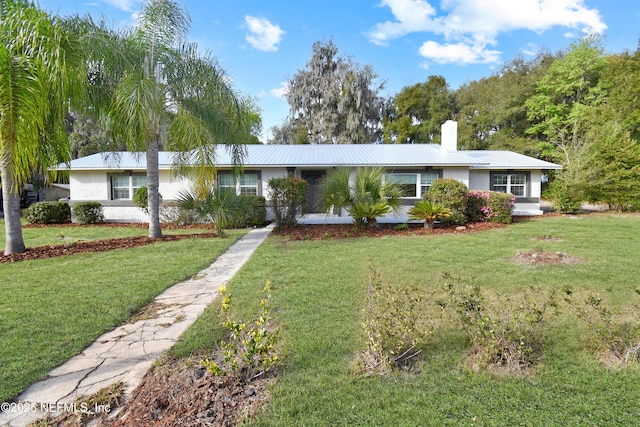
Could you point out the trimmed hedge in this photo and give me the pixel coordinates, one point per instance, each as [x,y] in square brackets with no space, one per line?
[48,213]
[88,212]
[451,194]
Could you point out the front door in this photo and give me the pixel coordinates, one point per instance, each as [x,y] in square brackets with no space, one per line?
[313,189]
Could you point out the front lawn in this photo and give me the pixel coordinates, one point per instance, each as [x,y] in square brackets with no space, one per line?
[51,309]
[319,289]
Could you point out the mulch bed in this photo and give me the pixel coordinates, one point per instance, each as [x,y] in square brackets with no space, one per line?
[102,245]
[347,231]
[183,393]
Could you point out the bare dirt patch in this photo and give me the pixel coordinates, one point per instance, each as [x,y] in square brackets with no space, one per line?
[183,393]
[549,239]
[540,257]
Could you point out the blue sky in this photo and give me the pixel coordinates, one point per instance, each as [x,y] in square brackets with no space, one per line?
[261,44]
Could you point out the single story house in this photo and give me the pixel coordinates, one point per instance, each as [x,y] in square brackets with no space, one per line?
[113,179]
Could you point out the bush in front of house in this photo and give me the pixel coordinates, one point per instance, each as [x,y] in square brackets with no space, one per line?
[288,199]
[88,212]
[489,206]
[257,216]
[451,194]
[48,213]
[141,199]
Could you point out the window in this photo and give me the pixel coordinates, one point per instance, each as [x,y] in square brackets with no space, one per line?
[426,179]
[413,184]
[123,187]
[406,181]
[514,183]
[225,180]
[246,183]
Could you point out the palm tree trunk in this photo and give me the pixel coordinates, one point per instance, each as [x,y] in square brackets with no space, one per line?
[14,242]
[155,230]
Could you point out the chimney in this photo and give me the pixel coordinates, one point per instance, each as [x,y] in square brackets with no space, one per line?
[449,137]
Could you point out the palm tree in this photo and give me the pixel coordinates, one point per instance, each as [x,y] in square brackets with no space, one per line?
[168,94]
[369,197]
[222,207]
[429,212]
[42,70]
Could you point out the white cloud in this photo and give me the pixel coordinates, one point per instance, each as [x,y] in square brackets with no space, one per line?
[263,35]
[281,91]
[469,27]
[459,53]
[126,5]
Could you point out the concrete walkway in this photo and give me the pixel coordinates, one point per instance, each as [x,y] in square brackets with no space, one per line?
[126,353]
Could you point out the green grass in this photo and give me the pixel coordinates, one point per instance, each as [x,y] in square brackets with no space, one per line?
[51,309]
[319,288]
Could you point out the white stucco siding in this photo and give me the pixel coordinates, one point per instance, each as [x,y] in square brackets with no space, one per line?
[459,174]
[171,186]
[124,214]
[536,184]
[89,185]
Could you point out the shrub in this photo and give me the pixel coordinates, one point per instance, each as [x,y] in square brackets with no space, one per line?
[251,347]
[489,206]
[171,213]
[607,331]
[562,198]
[88,212]
[257,216]
[394,329]
[141,199]
[476,205]
[221,206]
[449,193]
[48,213]
[288,199]
[429,212]
[502,334]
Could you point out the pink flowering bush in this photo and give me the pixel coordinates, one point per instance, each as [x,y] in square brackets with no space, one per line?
[489,206]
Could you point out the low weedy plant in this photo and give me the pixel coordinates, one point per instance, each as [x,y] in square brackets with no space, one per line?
[394,326]
[506,334]
[251,349]
[609,332]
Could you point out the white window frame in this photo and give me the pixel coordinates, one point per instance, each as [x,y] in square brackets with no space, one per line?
[130,185]
[239,184]
[510,184]
[420,186]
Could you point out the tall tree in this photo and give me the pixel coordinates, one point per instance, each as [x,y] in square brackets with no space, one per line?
[561,110]
[622,75]
[611,166]
[418,111]
[334,99]
[491,111]
[42,69]
[168,93]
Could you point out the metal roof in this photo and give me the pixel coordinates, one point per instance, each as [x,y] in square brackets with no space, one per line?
[327,155]
[508,160]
